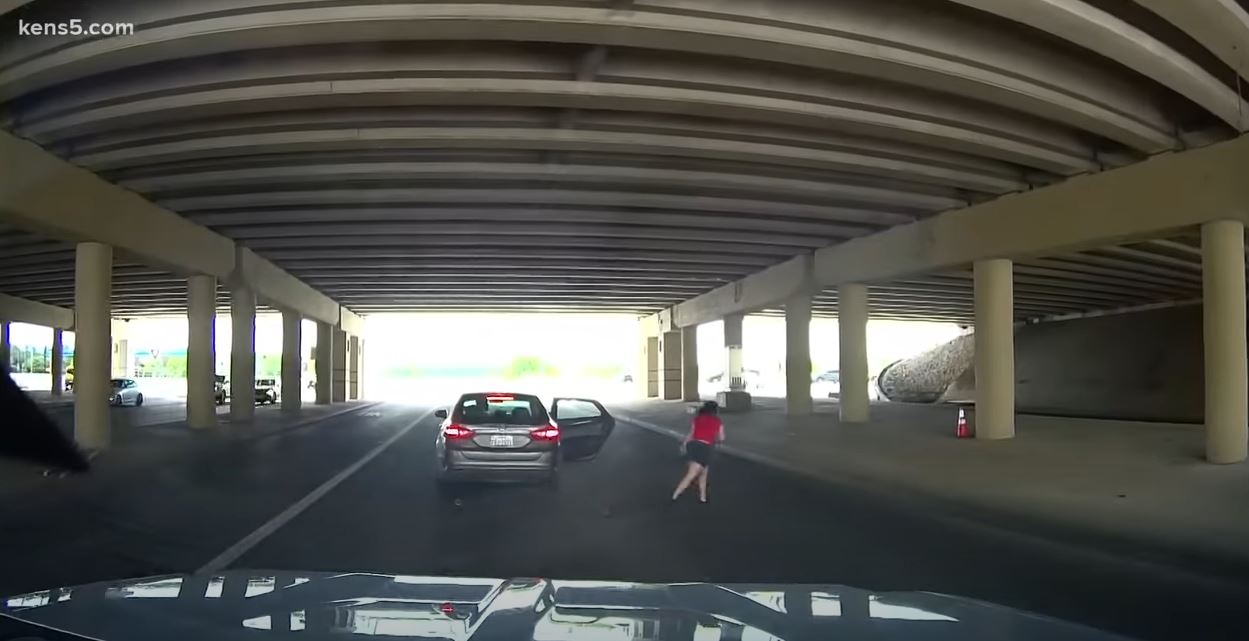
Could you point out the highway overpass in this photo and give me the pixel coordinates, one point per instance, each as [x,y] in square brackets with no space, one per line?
[976,161]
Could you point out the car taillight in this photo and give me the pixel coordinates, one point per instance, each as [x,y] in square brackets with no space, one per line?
[456,432]
[549,432]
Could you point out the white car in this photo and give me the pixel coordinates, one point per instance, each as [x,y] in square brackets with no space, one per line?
[125,391]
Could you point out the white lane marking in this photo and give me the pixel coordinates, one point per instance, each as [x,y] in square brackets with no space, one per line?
[250,541]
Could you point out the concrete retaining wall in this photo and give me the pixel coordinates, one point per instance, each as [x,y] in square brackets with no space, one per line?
[1138,366]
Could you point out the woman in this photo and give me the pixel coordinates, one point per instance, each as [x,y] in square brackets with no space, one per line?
[705,431]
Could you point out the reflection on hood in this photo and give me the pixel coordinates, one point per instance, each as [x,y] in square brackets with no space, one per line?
[309,606]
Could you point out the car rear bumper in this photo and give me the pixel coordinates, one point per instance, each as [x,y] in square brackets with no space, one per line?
[478,464]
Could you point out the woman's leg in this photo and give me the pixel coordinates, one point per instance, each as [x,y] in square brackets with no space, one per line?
[690,474]
[702,484]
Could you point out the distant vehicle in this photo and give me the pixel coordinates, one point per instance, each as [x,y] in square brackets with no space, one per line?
[219,389]
[627,378]
[826,385]
[69,379]
[750,378]
[125,391]
[266,390]
[506,436]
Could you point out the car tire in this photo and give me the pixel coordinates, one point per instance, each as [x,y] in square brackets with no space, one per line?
[551,482]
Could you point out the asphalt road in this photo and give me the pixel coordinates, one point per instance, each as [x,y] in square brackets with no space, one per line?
[609,519]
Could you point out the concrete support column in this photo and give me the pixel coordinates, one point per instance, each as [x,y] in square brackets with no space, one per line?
[242,354]
[338,378]
[353,368]
[201,351]
[852,329]
[1223,313]
[58,362]
[689,363]
[359,376]
[798,356]
[670,364]
[734,365]
[93,344]
[292,361]
[6,348]
[653,372]
[995,348]
[324,363]
[641,365]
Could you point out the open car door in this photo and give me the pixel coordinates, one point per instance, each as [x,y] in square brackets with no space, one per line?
[584,426]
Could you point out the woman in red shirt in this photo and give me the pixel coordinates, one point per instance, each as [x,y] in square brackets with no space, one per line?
[705,431]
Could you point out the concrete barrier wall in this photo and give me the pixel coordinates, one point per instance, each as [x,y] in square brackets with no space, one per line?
[1141,366]
[1137,366]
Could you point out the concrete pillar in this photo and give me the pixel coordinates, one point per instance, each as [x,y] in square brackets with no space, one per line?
[242,354]
[670,365]
[6,349]
[798,356]
[359,376]
[1223,313]
[995,348]
[653,370]
[324,362]
[641,366]
[292,361]
[353,368]
[689,364]
[734,365]
[338,378]
[122,363]
[201,351]
[58,362]
[93,344]
[852,329]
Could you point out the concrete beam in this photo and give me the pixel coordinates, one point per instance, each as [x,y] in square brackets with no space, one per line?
[1096,30]
[11,5]
[572,95]
[776,283]
[43,193]
[350,322]
[964,59]
[22,310]
[1222,26]
[892,197]
[877,159]
[278,288]
[1153,198]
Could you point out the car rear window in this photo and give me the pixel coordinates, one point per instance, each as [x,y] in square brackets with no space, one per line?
[500,409]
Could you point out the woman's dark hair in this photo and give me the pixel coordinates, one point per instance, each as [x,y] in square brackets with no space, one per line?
[709,408]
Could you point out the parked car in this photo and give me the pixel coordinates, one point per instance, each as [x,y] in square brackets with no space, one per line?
[506,436]
[750,378]
[266,390]
[125,391]
[826,385]
[220,393]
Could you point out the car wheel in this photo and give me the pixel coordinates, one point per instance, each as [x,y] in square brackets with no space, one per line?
[551,482]
[138,401]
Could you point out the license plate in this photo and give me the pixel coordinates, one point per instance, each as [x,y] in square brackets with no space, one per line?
[500,441]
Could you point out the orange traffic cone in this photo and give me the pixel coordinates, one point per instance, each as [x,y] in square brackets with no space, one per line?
[961,430]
